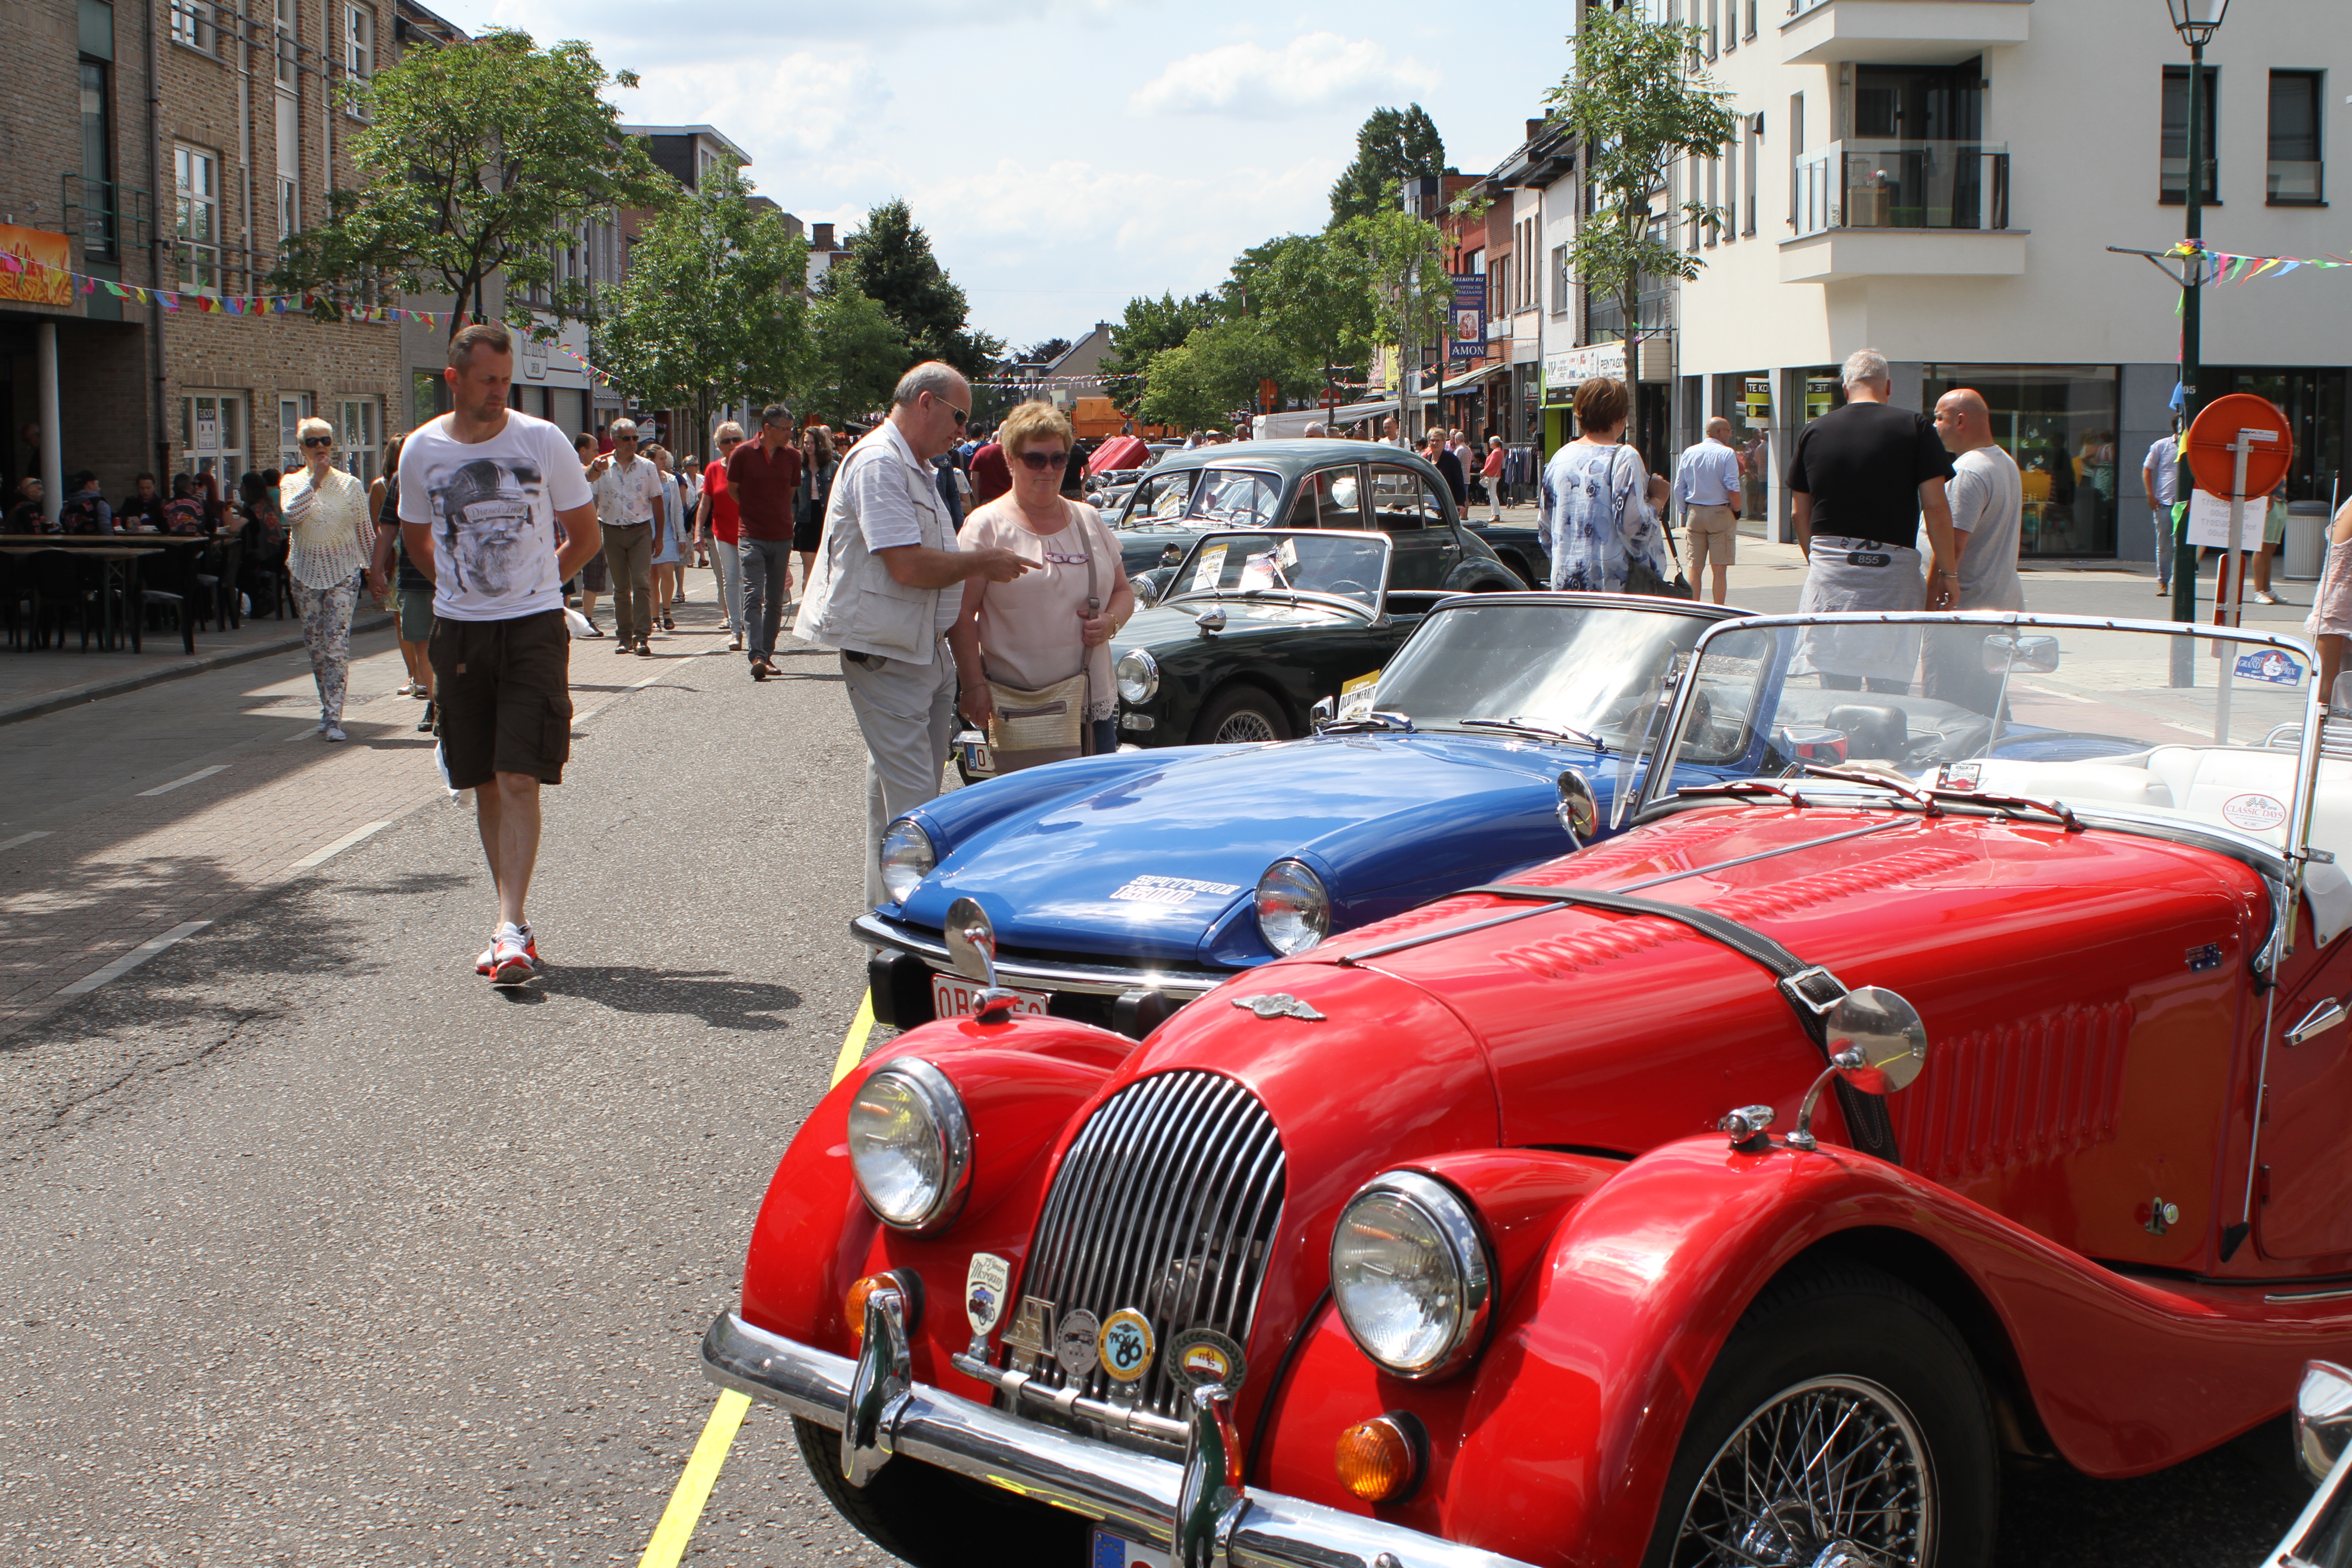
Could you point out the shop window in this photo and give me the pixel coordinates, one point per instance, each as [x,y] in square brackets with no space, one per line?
[293,407]
[196,224]
[2294,139]
[358,438]
[2175,187]
[212,435]
[2059,422]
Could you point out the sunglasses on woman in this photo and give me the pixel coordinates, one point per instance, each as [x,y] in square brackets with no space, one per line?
[318,440]
[1038,462]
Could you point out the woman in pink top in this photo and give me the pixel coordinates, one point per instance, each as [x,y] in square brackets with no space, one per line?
[1493,474]
[1038,629]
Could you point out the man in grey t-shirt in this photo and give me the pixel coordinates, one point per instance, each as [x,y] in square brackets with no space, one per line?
[1988,502]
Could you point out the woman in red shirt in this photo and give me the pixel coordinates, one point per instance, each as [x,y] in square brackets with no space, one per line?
[715,519]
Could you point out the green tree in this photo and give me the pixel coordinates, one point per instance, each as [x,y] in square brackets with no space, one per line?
[1217,373]
[1635,100]
[892,264]
[855,357]
[476,159]
[1147,326]
[1311,293]
[1391,145]
[713,303]
[1402,266]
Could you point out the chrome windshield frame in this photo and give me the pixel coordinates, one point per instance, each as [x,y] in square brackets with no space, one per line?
[1377,611]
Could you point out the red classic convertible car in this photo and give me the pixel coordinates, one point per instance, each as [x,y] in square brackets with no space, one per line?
[1966,1078]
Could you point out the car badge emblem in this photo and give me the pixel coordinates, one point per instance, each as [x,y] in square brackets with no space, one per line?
[1125,1345]
[1279,1004]
[1074,1342]
[984,1284]
[1032,1332]
[1203,1358]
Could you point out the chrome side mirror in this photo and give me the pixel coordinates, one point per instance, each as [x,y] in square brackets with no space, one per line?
[2323,1417]
[2031,655]
[1580,813]
[972,941]
[1876,1044]
[1326,709]
[1211,619]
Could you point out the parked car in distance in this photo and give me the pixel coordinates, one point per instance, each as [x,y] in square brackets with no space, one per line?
[2027,1071]
[1122,886]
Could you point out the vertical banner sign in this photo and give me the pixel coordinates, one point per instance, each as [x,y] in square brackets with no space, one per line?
[1465,336]
[39,276]
[1759,402]
[1817,394]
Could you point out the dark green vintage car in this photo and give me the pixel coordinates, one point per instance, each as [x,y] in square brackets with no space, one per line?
[1314,483]
[1256,625]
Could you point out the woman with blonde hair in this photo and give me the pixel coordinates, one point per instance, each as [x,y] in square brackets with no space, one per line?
[1029,640]
[329,543]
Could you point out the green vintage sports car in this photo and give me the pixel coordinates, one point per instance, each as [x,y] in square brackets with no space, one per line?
[1314,483]
[1258,625]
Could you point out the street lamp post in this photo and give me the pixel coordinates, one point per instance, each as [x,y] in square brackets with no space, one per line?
[2195,21]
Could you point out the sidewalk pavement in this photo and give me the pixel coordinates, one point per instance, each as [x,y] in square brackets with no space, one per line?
[33,681]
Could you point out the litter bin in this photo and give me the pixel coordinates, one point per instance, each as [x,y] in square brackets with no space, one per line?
[2306,540]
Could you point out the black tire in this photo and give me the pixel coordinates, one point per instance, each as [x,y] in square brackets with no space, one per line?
[1240,714]
[935,1520]
[1843,1346]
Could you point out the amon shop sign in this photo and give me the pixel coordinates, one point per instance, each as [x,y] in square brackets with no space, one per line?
[42,257]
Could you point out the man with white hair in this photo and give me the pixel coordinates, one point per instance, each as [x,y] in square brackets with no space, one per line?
[1707,484]
[629,511]
[889,584]
[1315,431]
[1859,481]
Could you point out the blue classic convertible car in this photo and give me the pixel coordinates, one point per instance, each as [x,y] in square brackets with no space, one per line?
[1506,730]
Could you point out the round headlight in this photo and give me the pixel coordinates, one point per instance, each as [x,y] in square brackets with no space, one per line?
[1294,913]
[1410,1274]
[910,1144]
[1138,675]
[907,858]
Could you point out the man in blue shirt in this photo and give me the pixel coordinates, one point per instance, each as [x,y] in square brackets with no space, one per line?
[1706,485]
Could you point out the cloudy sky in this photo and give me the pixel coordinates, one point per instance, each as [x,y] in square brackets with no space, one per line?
[1065,154]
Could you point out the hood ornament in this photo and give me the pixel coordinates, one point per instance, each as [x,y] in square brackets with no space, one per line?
[1279,1004]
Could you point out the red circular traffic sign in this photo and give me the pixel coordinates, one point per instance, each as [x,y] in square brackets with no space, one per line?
[2210,433]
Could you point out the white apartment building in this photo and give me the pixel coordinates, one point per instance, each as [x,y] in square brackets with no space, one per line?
[1941,179]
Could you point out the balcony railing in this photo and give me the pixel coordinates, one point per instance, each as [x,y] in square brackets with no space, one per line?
[108,216]
[1901,185]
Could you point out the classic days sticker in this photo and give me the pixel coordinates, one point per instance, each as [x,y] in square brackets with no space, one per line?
[1171,890]
[2254,813]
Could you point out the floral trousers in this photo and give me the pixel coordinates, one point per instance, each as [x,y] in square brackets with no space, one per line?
[327,632]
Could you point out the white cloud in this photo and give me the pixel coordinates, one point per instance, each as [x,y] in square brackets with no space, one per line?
[1314,72]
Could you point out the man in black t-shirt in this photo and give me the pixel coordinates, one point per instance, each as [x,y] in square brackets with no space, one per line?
[1861,480]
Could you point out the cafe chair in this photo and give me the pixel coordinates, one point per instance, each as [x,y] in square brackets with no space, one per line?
[218,574]
[178,592]
[62,586]
[17,601]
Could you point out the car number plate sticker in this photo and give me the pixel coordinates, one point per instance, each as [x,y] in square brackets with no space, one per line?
[1125,1345]
[1212,567]
[952,997]
[984,1284]
[2254,813]
[1117,1552]
[1171,891]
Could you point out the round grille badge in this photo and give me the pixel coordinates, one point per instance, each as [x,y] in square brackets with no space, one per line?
[1073,1341]
[1201,1357]
[1125,1345]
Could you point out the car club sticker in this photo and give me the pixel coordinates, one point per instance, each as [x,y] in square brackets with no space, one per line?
[1075,1341]
[1032,1332]
[1171,891]
[1202,1357]
[2270,665]
[984,1284]
[2254,813]
[1124,1347]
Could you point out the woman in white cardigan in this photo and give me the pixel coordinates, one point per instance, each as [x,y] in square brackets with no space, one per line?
[330,542]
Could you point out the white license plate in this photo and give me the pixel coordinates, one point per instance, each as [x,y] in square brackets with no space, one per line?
[955,997]
[1117,1552]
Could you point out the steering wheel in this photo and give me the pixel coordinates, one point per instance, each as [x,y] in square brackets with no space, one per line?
[1344,584]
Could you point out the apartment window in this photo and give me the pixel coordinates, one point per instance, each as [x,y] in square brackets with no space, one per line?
[293,407]
[212,436]
[1713,201]
[2294,139]
[196,226]
[1562,281]
[358,438]
[359,42]
[98,203]
[288,60]
[1714,27]
[195,25]
[2175,135]
[1749,30]
[1755,127]
[1796,149]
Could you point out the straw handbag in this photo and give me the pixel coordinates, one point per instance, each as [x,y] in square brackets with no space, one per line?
[1047,725]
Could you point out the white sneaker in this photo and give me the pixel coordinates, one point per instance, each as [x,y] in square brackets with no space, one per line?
[335,732]
[514,956]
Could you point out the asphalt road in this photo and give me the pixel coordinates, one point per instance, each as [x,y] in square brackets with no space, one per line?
[313,1249]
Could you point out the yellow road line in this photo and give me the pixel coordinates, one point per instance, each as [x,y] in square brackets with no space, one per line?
[692,1492]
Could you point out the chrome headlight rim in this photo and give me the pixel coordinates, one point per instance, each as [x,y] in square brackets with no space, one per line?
[949,1130]
[1143,685]
[1313,909]
[906,831]
[1463,1239]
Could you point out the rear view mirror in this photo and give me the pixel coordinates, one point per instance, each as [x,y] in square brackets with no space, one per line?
[1326,708]
[1579,812]
[2031,655]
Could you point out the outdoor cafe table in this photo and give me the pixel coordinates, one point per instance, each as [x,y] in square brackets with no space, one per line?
[118,557]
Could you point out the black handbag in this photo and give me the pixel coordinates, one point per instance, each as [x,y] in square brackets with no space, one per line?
[1641,577]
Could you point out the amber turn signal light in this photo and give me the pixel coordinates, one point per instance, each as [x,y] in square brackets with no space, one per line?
[903,1281]
[1380,1460]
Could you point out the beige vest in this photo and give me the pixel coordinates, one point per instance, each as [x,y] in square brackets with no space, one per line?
[852,603]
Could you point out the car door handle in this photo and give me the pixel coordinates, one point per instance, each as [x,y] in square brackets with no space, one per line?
[2316,1022]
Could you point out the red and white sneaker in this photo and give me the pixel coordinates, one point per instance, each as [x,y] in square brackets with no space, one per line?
[511,958]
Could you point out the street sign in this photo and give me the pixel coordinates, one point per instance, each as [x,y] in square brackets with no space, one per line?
[2212,445]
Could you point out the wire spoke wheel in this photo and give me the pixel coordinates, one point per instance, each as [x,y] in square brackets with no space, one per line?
[1831,1473]
[1244,724]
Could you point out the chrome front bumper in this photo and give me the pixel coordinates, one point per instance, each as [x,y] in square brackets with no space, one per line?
[1185,1509]
[1086,979]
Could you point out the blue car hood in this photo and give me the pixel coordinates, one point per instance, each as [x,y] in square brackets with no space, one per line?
[1151,865]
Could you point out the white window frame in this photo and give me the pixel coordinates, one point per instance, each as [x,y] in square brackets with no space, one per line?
[293,407]
[225,452]
[197,263]
[1563,282]
[289,62]
[195,26]
[359,53]
[358,438]
[1753,127]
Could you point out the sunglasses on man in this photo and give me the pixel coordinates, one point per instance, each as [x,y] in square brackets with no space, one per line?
[960,414]
[1038,462]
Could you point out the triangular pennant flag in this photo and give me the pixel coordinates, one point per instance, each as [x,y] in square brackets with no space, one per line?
[2288,266]
[2268,262]
[10,263]
[113,289]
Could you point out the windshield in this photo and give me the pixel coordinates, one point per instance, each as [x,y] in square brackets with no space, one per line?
[1349,566]
[1600,671]
[2102,717]
[1160,498]
[1235,497]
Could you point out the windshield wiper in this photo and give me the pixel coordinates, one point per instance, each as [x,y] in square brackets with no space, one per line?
[2009,805]
[1536,727]
[1902,787]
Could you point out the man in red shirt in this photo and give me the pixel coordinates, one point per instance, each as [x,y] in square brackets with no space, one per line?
[716,520]
[990,477]
[764,476]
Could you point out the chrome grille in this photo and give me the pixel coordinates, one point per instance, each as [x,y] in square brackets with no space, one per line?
[1167,1203]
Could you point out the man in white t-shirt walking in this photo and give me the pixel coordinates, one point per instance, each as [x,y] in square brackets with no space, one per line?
[483,492]
[1987,500]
